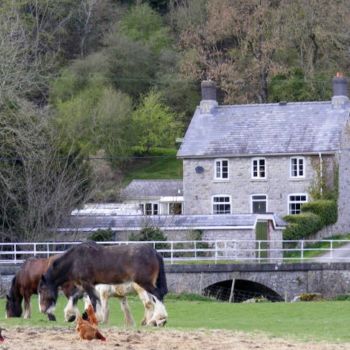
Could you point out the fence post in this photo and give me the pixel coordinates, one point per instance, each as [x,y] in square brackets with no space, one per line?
[302,249]
[259,251]
[195,250]
[34,250]
[15,252]
[231,299]
[171,252]
[331,252]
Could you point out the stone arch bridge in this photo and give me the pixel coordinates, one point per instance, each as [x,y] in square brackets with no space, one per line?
[284,280]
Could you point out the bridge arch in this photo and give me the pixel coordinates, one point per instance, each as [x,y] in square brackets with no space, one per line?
[240,290]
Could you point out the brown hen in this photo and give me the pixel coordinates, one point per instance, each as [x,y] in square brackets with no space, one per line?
[88,331]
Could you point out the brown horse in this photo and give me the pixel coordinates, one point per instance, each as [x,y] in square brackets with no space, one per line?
[25,284]
[88,264]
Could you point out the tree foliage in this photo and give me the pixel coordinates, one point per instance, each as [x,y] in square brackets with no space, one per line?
[88,78]
[101,121]
[154,124]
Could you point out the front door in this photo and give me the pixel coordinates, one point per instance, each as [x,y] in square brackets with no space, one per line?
[261,236]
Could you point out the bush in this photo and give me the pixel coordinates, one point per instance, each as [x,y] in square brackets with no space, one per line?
[302,225]
[326,209]
[148,234]
[102,235]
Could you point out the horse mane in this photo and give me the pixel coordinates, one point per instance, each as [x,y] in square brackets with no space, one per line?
[12,292]
[161,279]
[63,262]
[82,246]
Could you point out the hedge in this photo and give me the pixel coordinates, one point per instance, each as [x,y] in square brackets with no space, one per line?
[326,209]
[314,216]
[302,225]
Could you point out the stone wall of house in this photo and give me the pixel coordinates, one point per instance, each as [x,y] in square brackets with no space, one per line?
[200,188]
[343,223]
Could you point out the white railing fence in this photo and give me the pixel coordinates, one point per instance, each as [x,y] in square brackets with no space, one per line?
[218,251]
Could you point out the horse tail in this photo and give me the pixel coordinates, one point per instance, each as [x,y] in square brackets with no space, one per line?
[161,279]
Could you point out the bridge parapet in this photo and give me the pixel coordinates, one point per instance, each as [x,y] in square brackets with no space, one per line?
[287,280]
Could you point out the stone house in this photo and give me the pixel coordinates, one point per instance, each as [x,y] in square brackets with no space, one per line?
[244,167]
[266,158]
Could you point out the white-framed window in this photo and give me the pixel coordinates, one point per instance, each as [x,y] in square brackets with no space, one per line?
[149,208]
[221,169]
[297,167]
[258,168]
[221,204]
[259,203]
[295,202]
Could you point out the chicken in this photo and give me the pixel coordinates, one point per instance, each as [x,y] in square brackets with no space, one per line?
[88,331]
[91,316]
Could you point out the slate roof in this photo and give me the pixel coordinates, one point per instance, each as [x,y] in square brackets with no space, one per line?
[153,188]
[257,129]
[132,222]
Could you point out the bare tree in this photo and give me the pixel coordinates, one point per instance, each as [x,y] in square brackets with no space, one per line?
[235,46]
[40,184]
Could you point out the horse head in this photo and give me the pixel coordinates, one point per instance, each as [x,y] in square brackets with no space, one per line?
[13,306]
[48,294]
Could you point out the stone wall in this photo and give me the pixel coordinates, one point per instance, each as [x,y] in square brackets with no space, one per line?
[288,280]
[7,272]
[199,188]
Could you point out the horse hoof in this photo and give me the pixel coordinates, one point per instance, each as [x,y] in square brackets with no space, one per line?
[161,323]
[71,319]
[51,317]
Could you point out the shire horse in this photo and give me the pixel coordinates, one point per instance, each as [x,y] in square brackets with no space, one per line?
[88,264]
[25,284]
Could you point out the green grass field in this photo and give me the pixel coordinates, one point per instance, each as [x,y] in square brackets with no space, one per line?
[160,164]
[317,321]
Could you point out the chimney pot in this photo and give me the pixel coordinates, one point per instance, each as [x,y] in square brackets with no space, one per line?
[340,90]
[208,102]
[208,88]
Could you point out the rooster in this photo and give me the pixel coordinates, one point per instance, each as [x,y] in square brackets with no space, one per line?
[87,329]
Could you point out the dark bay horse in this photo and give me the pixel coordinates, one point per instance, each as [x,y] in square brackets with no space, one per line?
[25,284]
[88,264]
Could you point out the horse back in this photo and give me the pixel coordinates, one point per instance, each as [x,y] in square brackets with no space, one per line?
[116,264]
[29,275]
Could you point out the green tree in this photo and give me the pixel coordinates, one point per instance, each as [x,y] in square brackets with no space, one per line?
[138,51]
[101,120]
[144,25]
[294,86]
[154,123]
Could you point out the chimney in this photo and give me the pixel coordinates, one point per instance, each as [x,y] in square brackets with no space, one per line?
[208,102]
[340,91]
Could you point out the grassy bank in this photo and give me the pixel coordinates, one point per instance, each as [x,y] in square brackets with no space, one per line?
[316,321]
[160,164]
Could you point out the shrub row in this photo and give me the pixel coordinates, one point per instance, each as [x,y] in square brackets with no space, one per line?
[314,216]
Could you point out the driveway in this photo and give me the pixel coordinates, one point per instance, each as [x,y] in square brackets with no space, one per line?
[341,254]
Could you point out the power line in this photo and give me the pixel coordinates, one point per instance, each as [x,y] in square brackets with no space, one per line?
[88,158]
